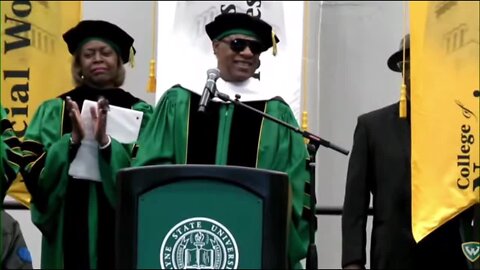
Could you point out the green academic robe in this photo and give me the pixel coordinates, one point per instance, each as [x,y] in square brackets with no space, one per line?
[48,154]
[10,154]
[229,135]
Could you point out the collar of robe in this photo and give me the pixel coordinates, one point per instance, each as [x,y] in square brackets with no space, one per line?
[250,90]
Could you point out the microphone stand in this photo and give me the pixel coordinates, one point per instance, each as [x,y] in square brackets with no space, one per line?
[314,142]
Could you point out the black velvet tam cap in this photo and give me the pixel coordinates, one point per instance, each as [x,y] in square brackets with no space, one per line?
[240,23]
[110,33]
[396,58]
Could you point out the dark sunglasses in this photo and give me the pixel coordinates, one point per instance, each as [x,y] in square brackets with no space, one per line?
[238,45]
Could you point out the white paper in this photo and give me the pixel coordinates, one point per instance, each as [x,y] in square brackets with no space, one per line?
[123,125]
[85,164]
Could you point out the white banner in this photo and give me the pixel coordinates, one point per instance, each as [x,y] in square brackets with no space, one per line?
[184,51]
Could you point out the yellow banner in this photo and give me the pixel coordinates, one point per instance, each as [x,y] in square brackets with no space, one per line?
[445,111]
[35,63]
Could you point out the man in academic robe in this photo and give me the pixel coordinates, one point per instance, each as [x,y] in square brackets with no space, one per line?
[229,135]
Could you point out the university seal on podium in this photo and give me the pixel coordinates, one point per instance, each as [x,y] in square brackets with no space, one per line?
[199,243]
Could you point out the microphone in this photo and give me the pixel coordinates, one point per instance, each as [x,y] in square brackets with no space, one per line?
[209,89]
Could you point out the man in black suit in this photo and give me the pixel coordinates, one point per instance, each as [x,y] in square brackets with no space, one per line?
[380,165]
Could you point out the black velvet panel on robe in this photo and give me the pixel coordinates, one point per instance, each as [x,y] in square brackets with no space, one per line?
[76,246]
[244,134]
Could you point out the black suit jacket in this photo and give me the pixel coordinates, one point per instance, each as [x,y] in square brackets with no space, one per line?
[380,165]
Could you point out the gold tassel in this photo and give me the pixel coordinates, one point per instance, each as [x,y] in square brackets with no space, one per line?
[152,80]
[403,101]
[403,90]
[131,58]
[305,69]
[305,124]
[274,42]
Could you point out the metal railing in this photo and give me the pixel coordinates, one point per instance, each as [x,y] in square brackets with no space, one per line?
[11,205]
[322,211]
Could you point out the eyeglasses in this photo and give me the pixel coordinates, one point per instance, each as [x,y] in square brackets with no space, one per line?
[238,45]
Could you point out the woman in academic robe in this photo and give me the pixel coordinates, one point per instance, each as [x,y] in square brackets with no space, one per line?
[76,214]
